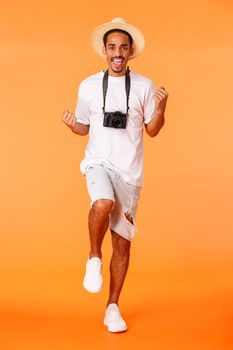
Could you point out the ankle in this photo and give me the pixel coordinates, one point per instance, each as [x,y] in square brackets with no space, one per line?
[112,301]
[94,255]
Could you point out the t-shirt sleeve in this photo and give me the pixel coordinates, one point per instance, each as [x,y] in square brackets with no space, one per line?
[149,104]
[82,112]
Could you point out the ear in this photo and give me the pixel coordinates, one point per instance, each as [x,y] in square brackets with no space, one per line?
[131,51]
[104,50]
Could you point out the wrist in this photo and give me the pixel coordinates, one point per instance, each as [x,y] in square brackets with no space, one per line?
[160,113]
[73,126]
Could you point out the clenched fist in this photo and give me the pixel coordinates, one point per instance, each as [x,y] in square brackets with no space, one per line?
[69,119]
[161,99]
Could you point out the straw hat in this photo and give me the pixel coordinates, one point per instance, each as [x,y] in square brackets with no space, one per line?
[117,23]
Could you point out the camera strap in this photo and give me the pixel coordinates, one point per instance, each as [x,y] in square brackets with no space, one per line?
[127,88]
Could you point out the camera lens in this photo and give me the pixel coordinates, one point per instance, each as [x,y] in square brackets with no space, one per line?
[117,122]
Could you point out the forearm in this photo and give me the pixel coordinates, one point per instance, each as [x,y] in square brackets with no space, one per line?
[158,120]
[80,129]
[154,126]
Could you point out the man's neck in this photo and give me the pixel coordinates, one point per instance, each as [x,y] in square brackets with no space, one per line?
[116,74]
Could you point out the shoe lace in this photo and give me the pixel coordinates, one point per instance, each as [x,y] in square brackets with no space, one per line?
[94,267]
[115,314]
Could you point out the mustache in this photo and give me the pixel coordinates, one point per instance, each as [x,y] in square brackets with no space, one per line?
[117,57]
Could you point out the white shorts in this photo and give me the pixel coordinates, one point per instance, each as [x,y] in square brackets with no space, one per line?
[105,183]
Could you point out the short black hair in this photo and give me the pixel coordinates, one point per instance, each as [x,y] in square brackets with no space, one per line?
[105,37]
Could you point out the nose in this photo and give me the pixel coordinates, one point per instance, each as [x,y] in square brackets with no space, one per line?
[118,51]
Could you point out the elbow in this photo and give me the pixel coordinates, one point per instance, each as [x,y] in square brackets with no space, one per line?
[80,132]
[154,134]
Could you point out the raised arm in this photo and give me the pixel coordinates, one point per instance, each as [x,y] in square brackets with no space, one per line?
[157,122]
[78,128]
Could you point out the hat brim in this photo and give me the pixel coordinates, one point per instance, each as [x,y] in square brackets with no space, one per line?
[98,34]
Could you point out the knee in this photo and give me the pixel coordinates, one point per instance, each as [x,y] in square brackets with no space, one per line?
[103,205]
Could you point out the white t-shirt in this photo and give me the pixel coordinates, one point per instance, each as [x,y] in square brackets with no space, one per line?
[119,149]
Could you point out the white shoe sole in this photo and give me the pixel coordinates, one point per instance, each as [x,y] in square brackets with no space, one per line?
[116,330]
[92,290]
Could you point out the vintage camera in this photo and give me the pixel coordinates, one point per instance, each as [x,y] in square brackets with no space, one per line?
[115,120]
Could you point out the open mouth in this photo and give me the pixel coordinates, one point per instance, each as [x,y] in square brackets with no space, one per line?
[118,62]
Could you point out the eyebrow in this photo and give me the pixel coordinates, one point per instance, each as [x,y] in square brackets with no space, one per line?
[110,44]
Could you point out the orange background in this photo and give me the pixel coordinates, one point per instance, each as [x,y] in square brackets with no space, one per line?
[178,291]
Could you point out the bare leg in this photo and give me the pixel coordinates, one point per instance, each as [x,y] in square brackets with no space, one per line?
[119,266]
[98,221]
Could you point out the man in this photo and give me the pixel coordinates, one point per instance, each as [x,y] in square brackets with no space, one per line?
[113,106]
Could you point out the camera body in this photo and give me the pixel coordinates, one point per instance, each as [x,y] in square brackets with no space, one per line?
[115,120]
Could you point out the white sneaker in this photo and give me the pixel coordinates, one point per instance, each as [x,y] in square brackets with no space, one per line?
[93,279]
[113,319]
